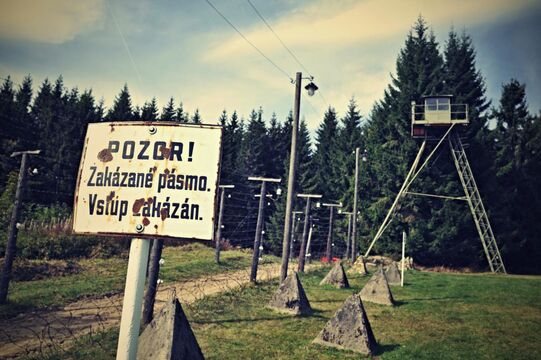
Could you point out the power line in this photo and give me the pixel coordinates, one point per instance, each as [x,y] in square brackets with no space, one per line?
[286,47]
[248,41]
[123,40]
[279,39]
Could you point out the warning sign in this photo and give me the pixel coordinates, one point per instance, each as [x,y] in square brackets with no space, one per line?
[148,179]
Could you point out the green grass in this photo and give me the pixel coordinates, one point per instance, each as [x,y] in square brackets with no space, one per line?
[439,316]
[102,276]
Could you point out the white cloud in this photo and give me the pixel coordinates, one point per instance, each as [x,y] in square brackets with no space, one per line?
[51,21]
[350,46]
[326,26]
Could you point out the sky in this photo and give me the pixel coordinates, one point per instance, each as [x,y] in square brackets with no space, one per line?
[184,49]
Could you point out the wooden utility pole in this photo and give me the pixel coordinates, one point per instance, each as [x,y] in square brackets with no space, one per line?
[152,282]
[11,243]
[355,200]
[218,233]
[348,240]
[328,252]
[294,226]
[291,179]
[260,220]
[302,252]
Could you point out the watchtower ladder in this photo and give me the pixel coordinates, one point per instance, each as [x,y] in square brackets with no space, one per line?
[477,208]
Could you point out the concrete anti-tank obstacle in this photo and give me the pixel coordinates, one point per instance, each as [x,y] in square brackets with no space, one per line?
[359,267]
[377,290]
[290,297]
[336,277]
[349,329]
[393,274]
[169,336]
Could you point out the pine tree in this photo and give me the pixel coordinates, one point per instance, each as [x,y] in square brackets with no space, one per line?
[349,138]
[457,241]
[275,145]
[168,111]
[149,112]
[196,118]
[302,185]
[122,109]
[517,214]
[254,152]
[10,129]
[181,115]
[419,71]
[324,160]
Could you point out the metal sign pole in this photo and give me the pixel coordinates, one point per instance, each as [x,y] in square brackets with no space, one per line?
[133,300]
[403,257]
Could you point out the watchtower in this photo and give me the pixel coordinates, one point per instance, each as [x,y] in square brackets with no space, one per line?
[435,120]
[435,115]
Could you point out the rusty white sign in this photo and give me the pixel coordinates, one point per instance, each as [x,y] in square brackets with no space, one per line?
[148,179]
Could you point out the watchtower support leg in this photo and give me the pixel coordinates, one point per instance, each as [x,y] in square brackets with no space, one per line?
[477,208]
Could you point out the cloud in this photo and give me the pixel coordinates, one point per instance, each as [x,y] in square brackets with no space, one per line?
[325,25]
[51,21]
[349,46]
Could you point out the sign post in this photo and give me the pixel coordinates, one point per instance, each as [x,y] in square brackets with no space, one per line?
[403,257]
[147,180]
[133,300]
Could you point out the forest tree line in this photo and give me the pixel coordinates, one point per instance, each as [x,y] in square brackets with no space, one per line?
[503,145]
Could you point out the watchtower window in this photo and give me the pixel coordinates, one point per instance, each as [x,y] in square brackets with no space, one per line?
[437,104]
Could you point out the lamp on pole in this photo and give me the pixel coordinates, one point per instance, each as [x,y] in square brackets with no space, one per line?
[311,89]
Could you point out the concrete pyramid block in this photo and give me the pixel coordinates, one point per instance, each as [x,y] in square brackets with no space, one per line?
[290,297]
[359,267]
[393,274]
[377,290]
[336,277]
[349,329]
[169,336]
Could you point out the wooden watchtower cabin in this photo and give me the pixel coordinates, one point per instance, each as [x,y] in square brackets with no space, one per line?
[432,118]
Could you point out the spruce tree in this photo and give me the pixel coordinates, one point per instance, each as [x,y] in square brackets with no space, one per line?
[122,109]
[181,115]
[419,71]
[196,118]
[325,175]
[517,210]
[149,112]
[168,111]
[10,129]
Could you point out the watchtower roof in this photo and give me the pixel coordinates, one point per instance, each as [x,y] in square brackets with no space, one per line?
[437,96]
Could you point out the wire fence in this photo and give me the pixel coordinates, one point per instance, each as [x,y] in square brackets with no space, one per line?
[85,322]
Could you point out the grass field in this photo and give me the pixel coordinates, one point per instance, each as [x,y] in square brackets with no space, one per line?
[439,316]
[102,276]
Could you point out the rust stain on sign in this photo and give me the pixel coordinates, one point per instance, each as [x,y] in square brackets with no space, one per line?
[165,152]
[137,205]
[105,155]
[146,221]
[110,197]
[164,213]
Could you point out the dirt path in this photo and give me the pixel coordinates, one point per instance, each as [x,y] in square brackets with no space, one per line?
[31,333]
